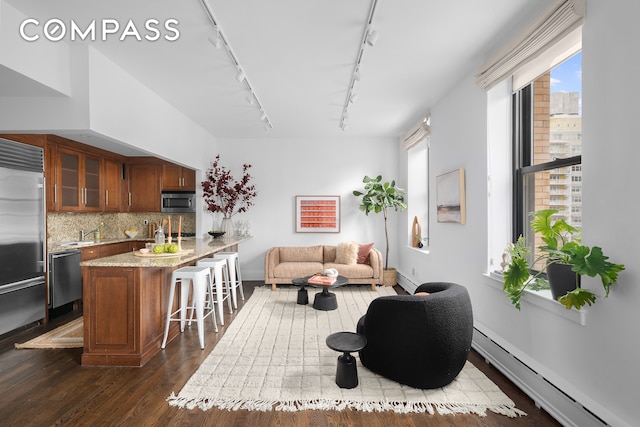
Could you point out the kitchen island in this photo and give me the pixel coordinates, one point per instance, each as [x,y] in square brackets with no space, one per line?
[125,301]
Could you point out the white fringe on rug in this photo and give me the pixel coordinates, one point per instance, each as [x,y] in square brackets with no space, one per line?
[273,356]
[328,405]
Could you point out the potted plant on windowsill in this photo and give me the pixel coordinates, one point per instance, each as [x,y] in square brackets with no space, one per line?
[379,197]
[562,250]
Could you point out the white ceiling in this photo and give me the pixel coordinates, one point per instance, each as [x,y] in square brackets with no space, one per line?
[299,56]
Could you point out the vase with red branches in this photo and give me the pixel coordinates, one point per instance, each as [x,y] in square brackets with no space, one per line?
[225,195]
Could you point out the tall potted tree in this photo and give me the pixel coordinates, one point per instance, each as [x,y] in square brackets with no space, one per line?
[379,197]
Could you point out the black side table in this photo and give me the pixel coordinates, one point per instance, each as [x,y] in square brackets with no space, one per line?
[346,342]
[303,296]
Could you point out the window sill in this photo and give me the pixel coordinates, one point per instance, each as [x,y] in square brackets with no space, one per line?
[543,300]
[420,250]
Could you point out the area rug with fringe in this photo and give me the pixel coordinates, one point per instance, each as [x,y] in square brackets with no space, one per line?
[274,356]
[69,335]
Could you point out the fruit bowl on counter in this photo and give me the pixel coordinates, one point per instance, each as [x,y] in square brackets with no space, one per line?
[216,233]
[131,233]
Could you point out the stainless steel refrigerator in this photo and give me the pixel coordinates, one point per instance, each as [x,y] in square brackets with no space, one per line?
[22,235]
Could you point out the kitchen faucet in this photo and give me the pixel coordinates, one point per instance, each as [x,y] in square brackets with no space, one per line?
[84,234]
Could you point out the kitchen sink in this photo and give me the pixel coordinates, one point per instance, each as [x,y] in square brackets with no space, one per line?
[80,243]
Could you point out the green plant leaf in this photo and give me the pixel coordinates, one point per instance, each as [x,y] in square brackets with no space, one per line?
[515,275]
[593,262]
[577,298]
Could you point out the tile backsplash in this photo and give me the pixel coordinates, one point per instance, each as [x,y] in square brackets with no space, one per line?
[66,226]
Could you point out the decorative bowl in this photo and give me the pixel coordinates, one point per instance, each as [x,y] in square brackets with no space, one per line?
[131,234]
[144,250]
[216,233]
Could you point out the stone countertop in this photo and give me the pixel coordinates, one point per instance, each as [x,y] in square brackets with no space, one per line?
[57,247]
[201,248]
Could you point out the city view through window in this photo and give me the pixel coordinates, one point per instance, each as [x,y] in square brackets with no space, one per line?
[557,134]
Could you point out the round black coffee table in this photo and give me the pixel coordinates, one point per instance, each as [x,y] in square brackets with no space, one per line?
[324,300]
[346,342]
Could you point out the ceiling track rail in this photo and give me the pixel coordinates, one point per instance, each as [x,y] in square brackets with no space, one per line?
[368,37]
[242,77]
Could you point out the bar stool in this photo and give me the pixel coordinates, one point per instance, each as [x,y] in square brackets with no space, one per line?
[219,276]
[199,277]
[234,273]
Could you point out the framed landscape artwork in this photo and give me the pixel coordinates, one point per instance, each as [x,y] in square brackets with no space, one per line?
[450,197]
[317,214]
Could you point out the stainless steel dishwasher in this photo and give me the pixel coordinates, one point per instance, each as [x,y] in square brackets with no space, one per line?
[65,278]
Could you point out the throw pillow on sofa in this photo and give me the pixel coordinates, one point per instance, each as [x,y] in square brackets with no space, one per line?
[363,253]
[347,253]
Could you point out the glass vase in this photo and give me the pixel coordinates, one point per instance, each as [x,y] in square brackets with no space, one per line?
[227,226]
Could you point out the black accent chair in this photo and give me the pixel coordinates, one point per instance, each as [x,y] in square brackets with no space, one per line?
[420,341]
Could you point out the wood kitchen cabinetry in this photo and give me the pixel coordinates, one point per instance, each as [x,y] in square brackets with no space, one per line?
[105,250]
[77,184]
[178,178]
[144,180]
[113,184]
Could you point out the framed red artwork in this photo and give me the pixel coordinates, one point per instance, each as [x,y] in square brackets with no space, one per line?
[317,214]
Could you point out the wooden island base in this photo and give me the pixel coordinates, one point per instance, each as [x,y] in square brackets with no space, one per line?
[125,303]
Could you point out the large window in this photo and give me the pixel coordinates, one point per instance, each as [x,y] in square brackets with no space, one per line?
[547,135]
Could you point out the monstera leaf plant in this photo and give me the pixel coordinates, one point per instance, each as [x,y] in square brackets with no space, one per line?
[562,245]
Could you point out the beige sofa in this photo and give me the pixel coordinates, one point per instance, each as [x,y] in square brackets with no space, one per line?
[285,263]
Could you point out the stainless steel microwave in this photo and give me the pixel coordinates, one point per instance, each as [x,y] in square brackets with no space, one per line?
[179,202]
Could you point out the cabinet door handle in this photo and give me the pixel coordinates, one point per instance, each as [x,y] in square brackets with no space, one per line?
[106,197]
[55,193]
[129,198]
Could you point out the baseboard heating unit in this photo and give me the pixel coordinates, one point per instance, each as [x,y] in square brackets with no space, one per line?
[558,404]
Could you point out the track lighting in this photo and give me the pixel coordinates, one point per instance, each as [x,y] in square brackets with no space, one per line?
[221,41]
[369,37]
[215,41]
[372,38]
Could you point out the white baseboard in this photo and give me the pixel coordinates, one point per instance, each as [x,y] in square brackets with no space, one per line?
[406,283]
[559,405]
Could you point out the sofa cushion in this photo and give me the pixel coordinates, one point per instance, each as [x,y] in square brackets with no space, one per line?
[347,253]
[329,253]
[352,271]
[302,253]
[363,253]
[297,269]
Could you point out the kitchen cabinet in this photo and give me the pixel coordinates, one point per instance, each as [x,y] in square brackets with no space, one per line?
[178,178]
[144,187]
[109,249]
[77,184]
[113,183]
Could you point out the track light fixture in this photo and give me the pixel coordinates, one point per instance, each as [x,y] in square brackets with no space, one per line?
[369,38]
[221,41]
[372,37]
[215,41]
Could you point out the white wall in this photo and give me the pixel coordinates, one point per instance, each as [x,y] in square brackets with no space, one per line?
[286,168]
[595,363]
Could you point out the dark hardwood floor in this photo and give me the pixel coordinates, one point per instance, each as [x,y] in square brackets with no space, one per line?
[50,388]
